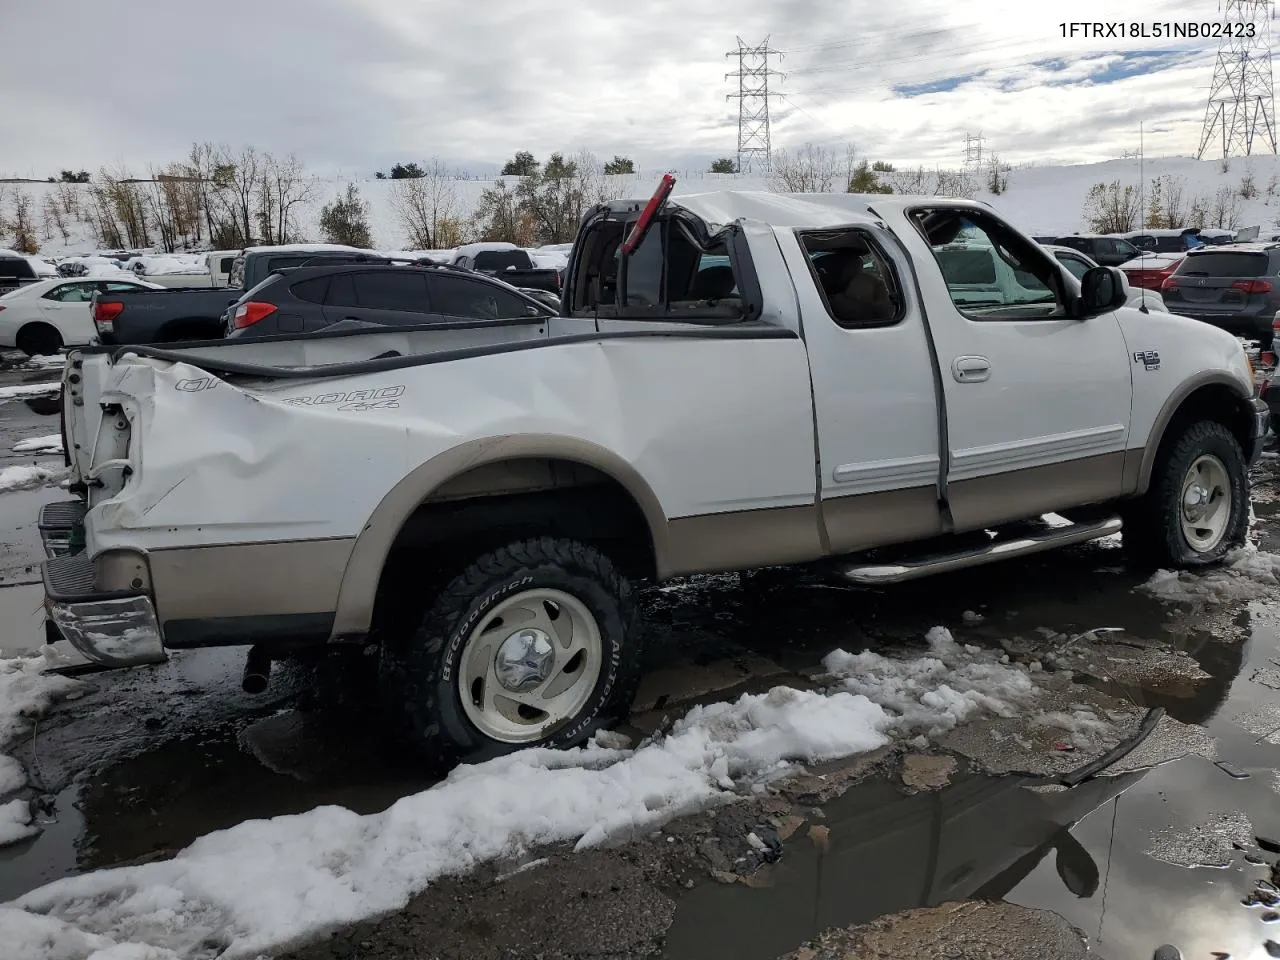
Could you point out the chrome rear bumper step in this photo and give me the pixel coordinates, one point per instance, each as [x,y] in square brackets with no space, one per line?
[879,573]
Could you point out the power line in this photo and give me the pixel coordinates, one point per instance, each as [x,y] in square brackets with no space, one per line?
[755,148]
[1242,95]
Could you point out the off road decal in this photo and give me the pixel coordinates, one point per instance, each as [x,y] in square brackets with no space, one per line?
[195,386]
[357,401]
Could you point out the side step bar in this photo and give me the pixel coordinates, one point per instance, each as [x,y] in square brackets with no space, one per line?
[871,573]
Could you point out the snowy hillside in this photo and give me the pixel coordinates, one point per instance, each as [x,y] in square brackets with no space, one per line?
[1040,200]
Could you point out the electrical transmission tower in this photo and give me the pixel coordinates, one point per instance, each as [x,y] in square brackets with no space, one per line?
[973,147]
[753,73]
[1242,95]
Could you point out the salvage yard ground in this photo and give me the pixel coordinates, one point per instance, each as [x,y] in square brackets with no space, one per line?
[803,758]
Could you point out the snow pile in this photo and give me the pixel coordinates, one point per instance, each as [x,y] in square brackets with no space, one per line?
[168,265]
[933,695]
[26,690]
[15,822]
[28,478]
[49,444]
[1247,573]
[44,362]
[29,391]
[32,937]
[263,884]
[12,777]
[1084,728]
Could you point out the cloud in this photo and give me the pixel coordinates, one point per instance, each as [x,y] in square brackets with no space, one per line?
[354,85]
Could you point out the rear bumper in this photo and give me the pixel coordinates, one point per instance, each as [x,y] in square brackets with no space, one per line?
[111,629]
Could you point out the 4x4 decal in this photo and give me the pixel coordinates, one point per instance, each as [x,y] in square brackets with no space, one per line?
[385,398]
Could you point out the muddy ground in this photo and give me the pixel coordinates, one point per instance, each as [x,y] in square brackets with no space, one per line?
[963,849]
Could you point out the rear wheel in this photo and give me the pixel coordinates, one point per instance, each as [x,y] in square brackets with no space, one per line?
[39,339]
[1197,507]
[531,645]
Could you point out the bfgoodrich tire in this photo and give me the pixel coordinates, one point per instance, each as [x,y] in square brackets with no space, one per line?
[1197,507]
[532,645]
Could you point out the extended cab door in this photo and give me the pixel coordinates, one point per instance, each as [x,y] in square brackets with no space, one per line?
[874,385]
[1037,401]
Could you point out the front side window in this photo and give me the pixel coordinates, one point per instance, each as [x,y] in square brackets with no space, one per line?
[858,287]
[991,272]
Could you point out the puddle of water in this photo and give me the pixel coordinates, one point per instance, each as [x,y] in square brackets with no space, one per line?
[21,619]
[888,851]
[49,856]
[20,549]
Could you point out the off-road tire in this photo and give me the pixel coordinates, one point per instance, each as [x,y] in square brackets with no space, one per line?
[1152,524]
[420,674]
[39,339]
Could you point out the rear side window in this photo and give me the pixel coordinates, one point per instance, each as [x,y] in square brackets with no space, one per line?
[283,263]
[225,264]
[857,284]
[393,291]
[1223,264]
[460,297]
[312,291]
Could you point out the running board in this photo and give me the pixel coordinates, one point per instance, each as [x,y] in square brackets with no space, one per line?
[873,573]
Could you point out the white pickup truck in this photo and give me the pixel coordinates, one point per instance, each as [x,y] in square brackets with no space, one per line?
[737,380]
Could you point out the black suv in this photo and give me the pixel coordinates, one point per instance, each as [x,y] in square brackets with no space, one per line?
[1236,288]
[1106,251]
[305,299]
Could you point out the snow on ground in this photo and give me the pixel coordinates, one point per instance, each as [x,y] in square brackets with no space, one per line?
[1245,573]
[49,444]
[15,822]
[28,477]
[43,362]
[26,691]
[262,884]
[29,391]
[12,776]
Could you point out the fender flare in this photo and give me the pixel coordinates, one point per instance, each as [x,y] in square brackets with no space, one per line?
[1167,412]
[358,590]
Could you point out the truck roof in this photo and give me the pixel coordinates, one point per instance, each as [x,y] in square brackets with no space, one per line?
[790,209]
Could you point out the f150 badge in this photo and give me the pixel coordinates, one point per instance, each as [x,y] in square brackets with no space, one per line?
[1150,359]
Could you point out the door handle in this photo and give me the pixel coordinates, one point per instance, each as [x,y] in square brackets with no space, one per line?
[971,369]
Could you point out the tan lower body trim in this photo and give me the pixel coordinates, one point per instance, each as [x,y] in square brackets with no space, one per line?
[717,542]
[1022,494]
[876,519]
[249,579]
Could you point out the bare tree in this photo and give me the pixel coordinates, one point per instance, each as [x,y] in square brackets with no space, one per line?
[292,188]
[239,177]
[1111,208]
[1174,190]
[427,206]
[54,218]
[811,169]
[22,227]
[1225,213]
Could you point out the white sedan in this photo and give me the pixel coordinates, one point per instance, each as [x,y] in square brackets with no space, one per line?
[45,316]
[1077,263]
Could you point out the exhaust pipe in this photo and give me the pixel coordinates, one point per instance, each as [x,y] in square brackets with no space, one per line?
[257,671]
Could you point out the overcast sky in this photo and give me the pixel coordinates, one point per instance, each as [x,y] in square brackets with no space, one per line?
[352,86]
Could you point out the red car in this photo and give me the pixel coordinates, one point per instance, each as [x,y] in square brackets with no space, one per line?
[1150,270]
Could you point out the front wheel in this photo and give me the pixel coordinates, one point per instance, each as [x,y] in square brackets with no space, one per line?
[531,645]
[1197,507]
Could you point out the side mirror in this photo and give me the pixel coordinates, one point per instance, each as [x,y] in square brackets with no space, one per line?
[1101,290]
